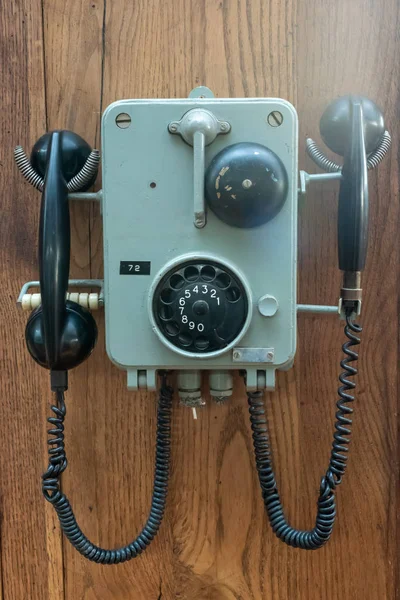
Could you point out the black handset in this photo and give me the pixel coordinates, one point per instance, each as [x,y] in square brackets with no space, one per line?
[54,252]
[247,186]
[59,334]
[353,196]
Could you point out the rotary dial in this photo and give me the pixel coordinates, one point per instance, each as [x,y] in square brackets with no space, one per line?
[200,306]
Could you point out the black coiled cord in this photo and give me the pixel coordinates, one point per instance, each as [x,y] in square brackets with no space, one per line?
[326,506]
[58,464]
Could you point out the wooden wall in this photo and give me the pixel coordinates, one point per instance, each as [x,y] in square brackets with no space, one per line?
[62,63]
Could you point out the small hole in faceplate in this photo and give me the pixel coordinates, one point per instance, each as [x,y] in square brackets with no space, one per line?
[207,273]
[191,273]
[185,339]
[201,343]
[223,281]
[165,312]
[176,281]
[233,294]
[172,328]
[153,185]
[167,296]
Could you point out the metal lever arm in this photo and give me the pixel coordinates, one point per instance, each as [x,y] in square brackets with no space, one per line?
[199,128]
[199,147]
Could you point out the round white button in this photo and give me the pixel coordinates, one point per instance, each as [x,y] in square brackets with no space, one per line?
[268,305]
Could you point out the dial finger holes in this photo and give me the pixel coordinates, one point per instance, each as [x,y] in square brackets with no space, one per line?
[176,281]
[199,307]
[172,328]
[207,273]
[223,281]
[201,343]
[185,339]
[233,294]
[191,273]
[165,312]
[167,296]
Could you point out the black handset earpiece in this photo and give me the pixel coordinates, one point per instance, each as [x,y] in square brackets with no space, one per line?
[75,154]
[59,334]
[335,123]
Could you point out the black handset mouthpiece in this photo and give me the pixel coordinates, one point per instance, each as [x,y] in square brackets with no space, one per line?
[353,195]
[54,250]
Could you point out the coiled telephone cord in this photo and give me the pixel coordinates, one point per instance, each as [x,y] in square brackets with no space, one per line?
[326,505]
[58,464]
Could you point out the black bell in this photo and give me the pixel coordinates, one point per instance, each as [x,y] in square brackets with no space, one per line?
[246,185]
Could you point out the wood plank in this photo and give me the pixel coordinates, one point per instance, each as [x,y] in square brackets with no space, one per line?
[159,68]
[274,63]
[73,67]
[186,51]
[215,509]
[30,545]
[338,51]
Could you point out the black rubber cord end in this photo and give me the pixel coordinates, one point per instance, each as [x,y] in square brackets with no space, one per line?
[59,381]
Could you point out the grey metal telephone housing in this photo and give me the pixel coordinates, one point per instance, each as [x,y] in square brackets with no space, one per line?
[149,185]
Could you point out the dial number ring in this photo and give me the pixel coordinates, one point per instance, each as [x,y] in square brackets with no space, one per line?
[200,306]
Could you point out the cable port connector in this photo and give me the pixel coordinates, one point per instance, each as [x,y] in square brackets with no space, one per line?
[59,381]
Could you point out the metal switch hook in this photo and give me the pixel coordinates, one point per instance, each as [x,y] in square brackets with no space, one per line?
[199,128]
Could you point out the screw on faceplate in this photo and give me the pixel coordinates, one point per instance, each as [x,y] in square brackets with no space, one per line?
[275,118]
[224,126]
[246,184]
[123,120]
[173,127]
[236,355]
[270,355]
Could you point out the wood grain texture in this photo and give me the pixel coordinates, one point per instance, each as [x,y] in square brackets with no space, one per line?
[30,540]
[73,64]
[63,63]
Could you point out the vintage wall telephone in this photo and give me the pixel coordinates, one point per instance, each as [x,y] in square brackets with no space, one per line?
[191,289]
